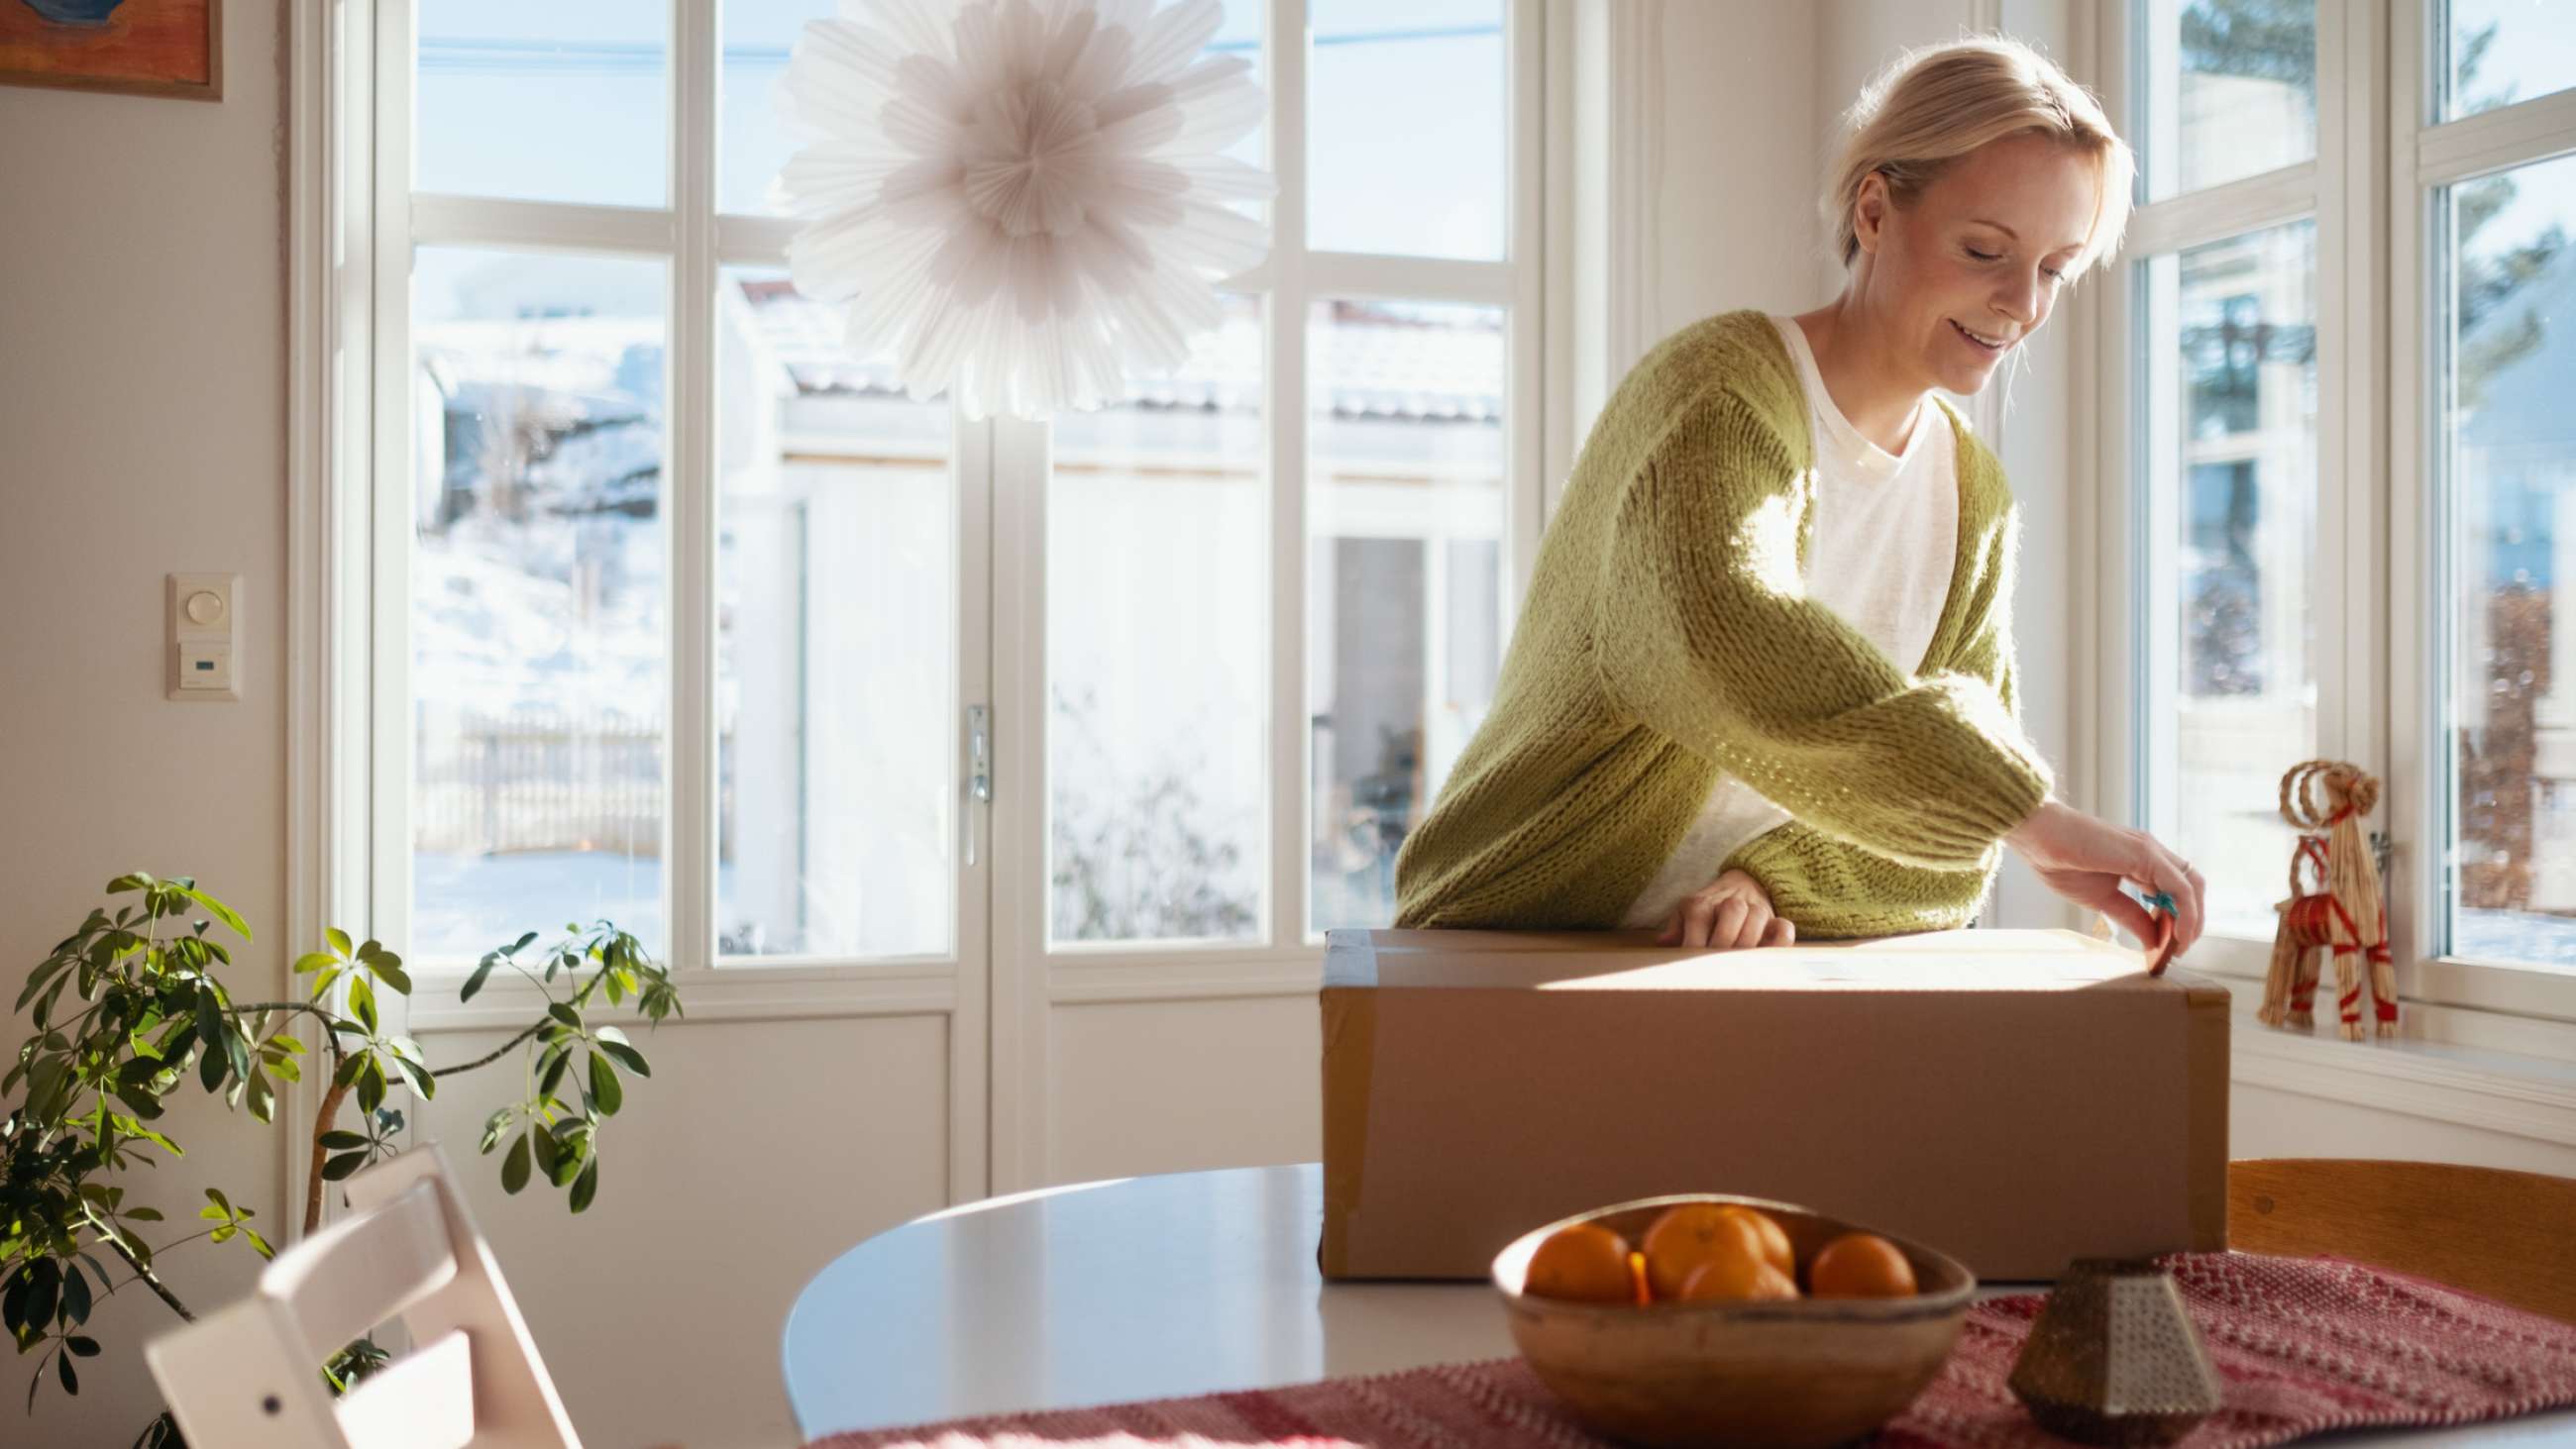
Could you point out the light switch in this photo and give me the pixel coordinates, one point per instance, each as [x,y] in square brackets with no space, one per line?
[205,637]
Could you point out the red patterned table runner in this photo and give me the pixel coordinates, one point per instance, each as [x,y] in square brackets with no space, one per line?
[2304,1345]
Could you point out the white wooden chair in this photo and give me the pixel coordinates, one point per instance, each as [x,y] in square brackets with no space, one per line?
[250,1376]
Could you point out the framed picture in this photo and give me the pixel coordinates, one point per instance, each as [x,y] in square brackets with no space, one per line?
[139,47]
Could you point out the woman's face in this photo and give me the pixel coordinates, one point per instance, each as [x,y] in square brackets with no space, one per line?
[1957,279]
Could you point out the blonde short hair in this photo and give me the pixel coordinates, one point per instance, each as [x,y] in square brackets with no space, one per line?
[1937,104]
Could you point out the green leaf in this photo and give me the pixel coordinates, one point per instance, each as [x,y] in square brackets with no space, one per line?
[213,1067]
[135,882]
[315,961]
[286,1068]
[393,975]
[236,1050]
[76,1299]
[141,1215]
[494,1126]
[352,1067]
[322,984]
[419,1077]
[520,945]
[548,1153]
[514,1168]
[44,1287]
[342,1165]
[63,1367]
[474,982]
[362,1002]
[565,1014]
[210,1016]
[223,913]
[627,1056]
[552,1076]
[37,978]
[80,1344]
[339,940]
[342,1141]
[371,1086]
[586,1186]
[604,1088]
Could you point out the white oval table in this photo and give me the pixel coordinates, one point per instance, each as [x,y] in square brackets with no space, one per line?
[1157,1287]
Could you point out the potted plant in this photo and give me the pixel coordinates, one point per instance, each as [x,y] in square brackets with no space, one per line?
[131,1006]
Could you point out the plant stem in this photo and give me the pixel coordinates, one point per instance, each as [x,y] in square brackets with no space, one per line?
[497,1053]
[331,1101]
[149,1281]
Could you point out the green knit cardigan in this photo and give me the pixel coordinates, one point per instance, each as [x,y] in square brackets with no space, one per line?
[1667,636]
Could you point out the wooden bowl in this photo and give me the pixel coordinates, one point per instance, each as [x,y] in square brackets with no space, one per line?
[1814,1372]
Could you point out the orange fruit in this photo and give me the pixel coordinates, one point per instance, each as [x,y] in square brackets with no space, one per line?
[1775,1239]
[1860,1265]
[1690,1237]
[1586,1262]
[1734,1279]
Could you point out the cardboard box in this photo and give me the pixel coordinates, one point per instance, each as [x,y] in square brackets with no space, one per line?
[2017,1099]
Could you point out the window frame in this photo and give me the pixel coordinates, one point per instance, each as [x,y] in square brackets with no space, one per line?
[2370,189]
[2426,156]
[1001,579]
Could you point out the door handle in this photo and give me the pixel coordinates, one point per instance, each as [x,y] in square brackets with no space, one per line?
[979,768]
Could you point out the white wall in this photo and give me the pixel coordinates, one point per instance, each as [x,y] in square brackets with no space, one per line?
[142,428]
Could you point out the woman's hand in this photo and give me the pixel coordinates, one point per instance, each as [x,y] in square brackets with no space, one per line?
[1730,911]
[2085,860]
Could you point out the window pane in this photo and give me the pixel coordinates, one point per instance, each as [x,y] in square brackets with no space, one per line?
[836,642]
[1157,746]
[2509,486]
[538,637]
[2231,486]
[2227,90]
[1405,127]
[589,77]
[1406,580]
[754,144]
[2497,52]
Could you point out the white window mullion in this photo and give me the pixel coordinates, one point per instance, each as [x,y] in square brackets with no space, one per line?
[754,241]
[2344,492]
[1525,333]
[689,506]
[2353,382]
[1409,279]
[494,221]
[2253,204]
[2496,140]
[2417,818]
[1290,736]
[391,431]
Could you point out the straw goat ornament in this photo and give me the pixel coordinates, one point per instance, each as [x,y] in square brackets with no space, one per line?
[2340,913]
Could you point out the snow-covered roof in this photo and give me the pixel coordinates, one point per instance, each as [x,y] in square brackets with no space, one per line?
[1375,361]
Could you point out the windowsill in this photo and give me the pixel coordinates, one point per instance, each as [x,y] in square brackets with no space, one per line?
[2466,1079]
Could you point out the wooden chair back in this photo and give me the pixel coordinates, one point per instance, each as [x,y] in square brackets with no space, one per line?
[249,1376]
[2484,1230]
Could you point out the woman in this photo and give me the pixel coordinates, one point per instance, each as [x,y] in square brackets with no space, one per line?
[1762,686]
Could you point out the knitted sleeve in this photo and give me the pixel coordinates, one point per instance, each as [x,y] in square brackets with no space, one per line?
[1705,634]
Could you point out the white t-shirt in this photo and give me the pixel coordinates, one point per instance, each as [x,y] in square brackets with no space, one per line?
[1886,540]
